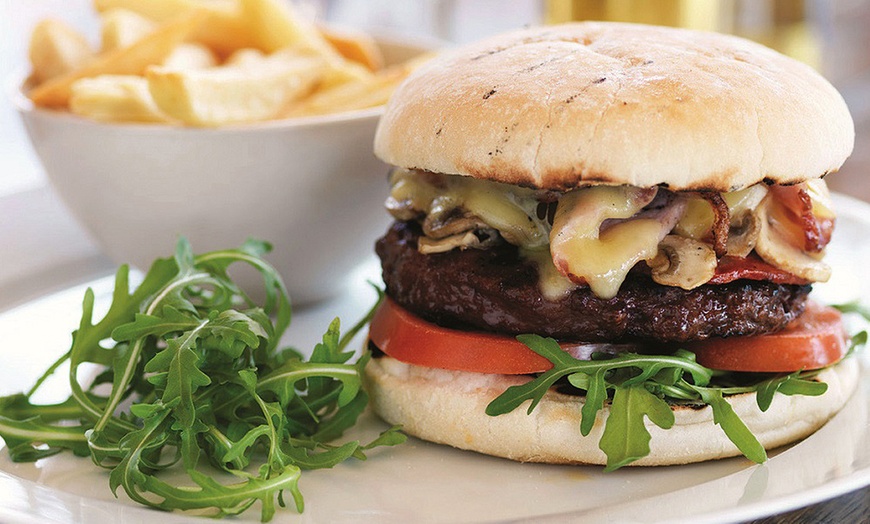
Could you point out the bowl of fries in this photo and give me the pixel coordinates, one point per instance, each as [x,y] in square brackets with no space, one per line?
[217,121]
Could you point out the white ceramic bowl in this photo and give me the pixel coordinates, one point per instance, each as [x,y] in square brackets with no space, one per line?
[311,187]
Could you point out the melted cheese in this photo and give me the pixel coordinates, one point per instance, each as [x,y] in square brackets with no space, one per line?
[553,285]
[579,251]
[511,210]
[405,187]
[697,222]
[602,260]
[821,198]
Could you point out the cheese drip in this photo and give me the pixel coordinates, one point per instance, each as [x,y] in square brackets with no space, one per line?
[554,286]
[600,233]
[582,252]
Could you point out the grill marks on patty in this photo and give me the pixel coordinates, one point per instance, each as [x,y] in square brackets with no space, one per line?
[495,290]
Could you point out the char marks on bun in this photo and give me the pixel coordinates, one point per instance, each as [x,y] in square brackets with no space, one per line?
[603,103]
[605,240]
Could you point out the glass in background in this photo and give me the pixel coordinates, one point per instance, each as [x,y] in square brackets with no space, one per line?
[781,24]
[451,21]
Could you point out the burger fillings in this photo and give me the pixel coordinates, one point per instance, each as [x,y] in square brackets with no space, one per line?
[661,187]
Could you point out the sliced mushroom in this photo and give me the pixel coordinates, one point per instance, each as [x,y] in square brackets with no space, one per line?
[743,233]
[411,193]
[456,224]
[777,251]
[446,219]
[683,262]
[402,209]
[480,239]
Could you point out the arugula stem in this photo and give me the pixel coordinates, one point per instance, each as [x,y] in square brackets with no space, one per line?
[120,386]
[49,372]
[187,374]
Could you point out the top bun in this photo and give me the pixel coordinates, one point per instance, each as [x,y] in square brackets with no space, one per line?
[559,107]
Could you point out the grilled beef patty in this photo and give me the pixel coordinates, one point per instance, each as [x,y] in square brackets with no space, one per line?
[495,290]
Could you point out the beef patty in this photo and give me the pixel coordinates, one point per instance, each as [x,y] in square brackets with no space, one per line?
[495,290]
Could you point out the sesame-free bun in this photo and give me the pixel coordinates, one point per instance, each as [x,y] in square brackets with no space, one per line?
[558,107]
[448,407]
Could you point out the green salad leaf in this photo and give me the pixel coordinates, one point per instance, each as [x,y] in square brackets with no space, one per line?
[640,387]
[190,371]
[625,438]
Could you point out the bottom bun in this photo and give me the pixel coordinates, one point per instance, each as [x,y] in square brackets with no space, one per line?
[448,407]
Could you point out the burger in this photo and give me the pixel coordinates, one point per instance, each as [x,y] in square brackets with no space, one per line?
[605,237]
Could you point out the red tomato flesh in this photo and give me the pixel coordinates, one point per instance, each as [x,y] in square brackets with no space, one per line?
[406,337]
[816,339]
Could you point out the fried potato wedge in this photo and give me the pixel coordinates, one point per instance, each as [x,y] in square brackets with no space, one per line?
[349,96]
[234,94]
[277,25]
[356,46]
[114,98]
[224,29]
[153,49]
[56,49]
[122,28]
[163,10]
[190,56]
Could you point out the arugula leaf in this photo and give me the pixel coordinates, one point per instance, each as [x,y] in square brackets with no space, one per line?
[734,428]
[198,363]
[640,387]
[793,384]
[625,438]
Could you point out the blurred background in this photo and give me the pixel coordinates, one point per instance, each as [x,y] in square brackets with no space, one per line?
[832,36]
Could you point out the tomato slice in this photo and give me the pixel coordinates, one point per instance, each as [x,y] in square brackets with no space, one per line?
[816,339]
[406,337]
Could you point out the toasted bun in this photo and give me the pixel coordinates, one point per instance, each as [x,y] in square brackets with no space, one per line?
[448,407]
[564,106]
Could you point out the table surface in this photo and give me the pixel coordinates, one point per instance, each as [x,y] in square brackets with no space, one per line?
[851,507]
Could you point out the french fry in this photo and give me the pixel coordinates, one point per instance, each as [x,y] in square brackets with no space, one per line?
[234,94]
[245,56]
[343,71]
[122,27]
[371,92]
[159,64]
[114,98]
[224,29]
[163,10]
[349,96]
[190,56]
[152,49]
[56,49]
[356,46]
[224,32]
[277,26]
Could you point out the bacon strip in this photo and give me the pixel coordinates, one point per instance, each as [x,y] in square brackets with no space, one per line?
[721,221]
[751,267]
[809,232]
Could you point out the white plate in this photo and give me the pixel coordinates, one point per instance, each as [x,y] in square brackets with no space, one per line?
[421,482]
